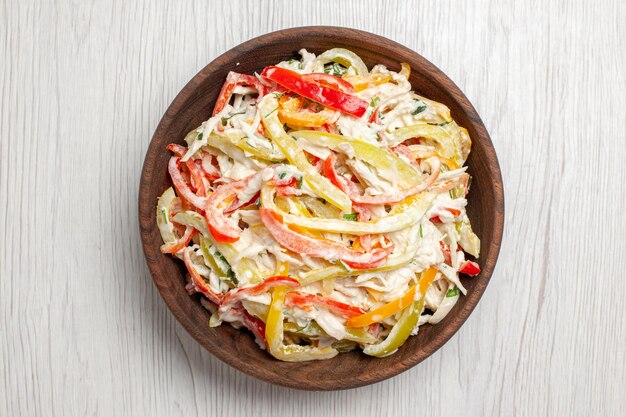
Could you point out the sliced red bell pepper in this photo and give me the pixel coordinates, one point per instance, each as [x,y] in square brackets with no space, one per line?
[469,268]
[320,248]
[235,295]
[197,169]
[219,226]
[351,191]
[176,149]
[210,171]
[236,205]
[363,215]
[234,79]
[315,91]
[466,267]
[454,212]
[182,189]
[306,301]
[181,243]
[404,150]
[198,281]
[196,177]
[252,323]
[446,185]
[332,81]
[374,118]
[446,252]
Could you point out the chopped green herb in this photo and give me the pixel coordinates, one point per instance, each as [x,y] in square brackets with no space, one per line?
[452,292]
[271,111]
[278,95]
[421,106]
[292,61]
[226,119]
[294,138]
[421,232]
[199,137]
[282,175]
[303,327]
[334,69]
[219,255]
[300,182]
[378,138]
[350,216]
[258,202]
[231,275]
[250,143]
[441,124]
[343,265]
[374,101]
[165,216]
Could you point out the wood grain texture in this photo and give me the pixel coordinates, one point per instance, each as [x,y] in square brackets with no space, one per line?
[83,330]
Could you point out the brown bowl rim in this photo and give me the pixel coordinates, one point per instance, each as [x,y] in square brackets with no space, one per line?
[147,222]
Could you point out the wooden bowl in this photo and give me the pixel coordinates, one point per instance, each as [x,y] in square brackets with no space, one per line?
[194,104]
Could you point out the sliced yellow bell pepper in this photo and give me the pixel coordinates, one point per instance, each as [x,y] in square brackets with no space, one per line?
[362,82]
[448,139]
[407,322]
[292,112]
[319,184]
[320,209]
[282,268]
[405,70]
[274,335]
[388,165]
[468,239]
[393,262]
[413,210]
[305,118]
[269,153]
[297,207]
[381,313]
[360,335]
[399,333]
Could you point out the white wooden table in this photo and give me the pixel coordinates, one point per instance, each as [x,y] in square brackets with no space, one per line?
[83,330]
